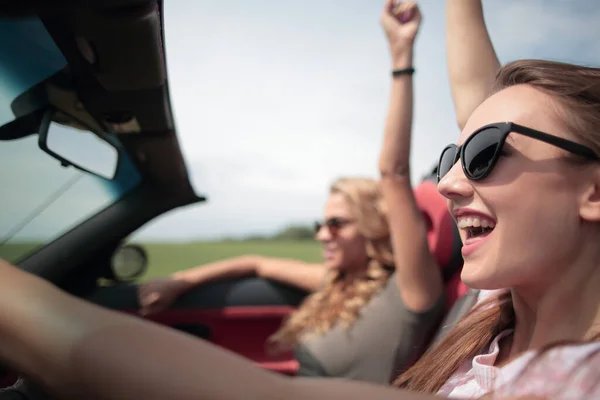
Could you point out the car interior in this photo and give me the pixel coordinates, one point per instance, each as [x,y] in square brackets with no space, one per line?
[113,82]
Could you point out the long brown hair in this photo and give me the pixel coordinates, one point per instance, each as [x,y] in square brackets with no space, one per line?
[577,90]
[341,298]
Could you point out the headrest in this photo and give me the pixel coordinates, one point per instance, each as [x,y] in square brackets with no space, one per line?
[442,233]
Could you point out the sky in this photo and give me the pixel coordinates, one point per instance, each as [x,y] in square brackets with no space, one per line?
[274,100]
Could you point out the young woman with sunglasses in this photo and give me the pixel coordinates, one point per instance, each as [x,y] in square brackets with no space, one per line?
[515,244]
[358,300]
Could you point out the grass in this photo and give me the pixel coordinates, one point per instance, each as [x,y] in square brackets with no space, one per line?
[166,258]
[12,252]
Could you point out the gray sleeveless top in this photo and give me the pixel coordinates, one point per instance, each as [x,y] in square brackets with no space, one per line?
[384,339]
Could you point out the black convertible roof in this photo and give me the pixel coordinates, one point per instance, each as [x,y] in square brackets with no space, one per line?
[117,74]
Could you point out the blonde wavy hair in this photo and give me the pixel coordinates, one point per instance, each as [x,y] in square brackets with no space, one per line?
[342,297]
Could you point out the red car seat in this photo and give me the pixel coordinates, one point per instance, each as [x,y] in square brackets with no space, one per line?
[443,237]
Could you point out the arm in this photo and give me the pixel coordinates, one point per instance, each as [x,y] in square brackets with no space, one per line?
[418,276]
[73,348]
[472,61]
[291,272]
[159,294]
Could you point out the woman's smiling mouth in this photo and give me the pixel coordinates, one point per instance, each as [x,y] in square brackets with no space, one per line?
[475,228]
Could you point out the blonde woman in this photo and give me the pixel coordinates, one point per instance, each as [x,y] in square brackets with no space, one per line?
[356,323]
[378,295]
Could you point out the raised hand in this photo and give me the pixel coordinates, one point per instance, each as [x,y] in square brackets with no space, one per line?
[401,21]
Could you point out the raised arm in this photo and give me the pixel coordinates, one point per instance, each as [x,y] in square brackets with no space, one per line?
[472,61]
[419,278]
[159,294]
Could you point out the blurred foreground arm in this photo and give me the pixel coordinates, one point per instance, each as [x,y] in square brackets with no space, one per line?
[78,350]
[419,277]
[472,61]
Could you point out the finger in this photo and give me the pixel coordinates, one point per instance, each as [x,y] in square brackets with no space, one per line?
[150,299]
[146,288]
[153,297]
[143,302]
[145,311]
[400,7]
[389,5]
[416,15]
[150,307]
[406,11]
[153,309]
[388,17]
[405,5]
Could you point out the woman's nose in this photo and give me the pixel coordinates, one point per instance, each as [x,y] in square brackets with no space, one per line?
[455,184]
[323,234]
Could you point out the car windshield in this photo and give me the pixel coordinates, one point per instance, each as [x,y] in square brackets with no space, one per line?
[40,200]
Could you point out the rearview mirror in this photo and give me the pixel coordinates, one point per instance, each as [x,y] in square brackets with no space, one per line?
[74,144]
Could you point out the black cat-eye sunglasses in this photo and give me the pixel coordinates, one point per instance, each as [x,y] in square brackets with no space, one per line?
[480,152]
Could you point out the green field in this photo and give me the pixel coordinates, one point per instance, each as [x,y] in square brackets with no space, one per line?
[14,251]
[168,258]
[165,258]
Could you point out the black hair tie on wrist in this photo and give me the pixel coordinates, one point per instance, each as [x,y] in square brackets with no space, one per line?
[403,71]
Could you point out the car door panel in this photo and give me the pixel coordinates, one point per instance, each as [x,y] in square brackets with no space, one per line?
[238,315]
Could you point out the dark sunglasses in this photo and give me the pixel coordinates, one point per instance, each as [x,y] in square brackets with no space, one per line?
[333,224]
[480,152]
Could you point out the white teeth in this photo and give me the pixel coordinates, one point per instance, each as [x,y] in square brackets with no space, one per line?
[475,222]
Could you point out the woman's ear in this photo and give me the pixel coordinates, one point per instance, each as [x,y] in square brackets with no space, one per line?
[589,208]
